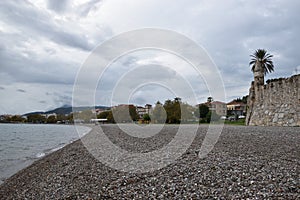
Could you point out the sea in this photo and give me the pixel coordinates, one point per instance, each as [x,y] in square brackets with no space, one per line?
[22,144]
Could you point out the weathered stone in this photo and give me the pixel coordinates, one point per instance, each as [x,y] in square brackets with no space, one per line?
[266,112]
[276,103]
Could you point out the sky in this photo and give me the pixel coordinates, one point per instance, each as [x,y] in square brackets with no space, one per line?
[45,44]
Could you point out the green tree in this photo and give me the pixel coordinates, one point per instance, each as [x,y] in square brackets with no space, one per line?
[203,110]
[210,99]
[70,118]
[36,118]
[173,111]
[146,118]
[17,118]
[85,115]
[125,113]
[51,119]
[245,99]
[133,114]
[260,58]
[158,114]
[103,115]
[186,112]
[110,117]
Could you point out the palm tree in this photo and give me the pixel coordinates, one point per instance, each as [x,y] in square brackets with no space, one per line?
[263,59]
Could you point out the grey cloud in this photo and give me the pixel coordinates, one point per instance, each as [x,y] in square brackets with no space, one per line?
[62,99]
[2,88]
[58,6]
[21,90]
[87,7]
[31,20]
[42,102]
[50,51]
[232,35]
[230,31]
[22,69]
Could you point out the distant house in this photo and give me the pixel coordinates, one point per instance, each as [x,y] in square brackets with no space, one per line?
[141,111]
[236,108]
[148,108]
[217,106]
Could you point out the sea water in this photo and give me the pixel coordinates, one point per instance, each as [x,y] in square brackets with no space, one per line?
[22,144]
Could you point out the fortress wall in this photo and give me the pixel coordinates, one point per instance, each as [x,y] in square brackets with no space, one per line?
[277,104]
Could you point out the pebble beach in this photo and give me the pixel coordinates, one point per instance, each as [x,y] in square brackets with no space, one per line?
[246,162]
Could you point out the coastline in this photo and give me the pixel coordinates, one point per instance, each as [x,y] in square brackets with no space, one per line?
[246,162]
[23,144]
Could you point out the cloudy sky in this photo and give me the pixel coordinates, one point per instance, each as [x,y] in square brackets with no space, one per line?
[43,45]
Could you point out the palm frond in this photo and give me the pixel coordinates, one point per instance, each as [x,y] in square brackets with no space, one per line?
[261,55]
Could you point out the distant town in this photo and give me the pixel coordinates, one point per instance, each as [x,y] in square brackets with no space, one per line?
[171,111]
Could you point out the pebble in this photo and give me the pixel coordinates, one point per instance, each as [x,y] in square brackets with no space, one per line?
[246,163]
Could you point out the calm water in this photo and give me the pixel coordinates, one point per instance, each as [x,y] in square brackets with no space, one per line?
[22,144]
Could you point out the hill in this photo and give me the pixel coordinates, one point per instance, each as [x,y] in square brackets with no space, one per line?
[65,110]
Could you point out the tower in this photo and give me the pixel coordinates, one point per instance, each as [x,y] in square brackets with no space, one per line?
[256,89]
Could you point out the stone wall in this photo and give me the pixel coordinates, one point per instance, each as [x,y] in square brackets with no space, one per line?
[276,103]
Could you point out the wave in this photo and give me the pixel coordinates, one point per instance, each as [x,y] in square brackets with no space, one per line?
[40,155]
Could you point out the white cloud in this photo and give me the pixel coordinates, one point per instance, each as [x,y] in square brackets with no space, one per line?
[43,43]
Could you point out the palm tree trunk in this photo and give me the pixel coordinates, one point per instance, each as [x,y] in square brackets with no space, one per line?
[259,75]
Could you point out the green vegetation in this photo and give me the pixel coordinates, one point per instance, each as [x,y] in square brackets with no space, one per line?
[124,114]
[146,118]
[243,99]
[159,114]
[172,112]
[262,58]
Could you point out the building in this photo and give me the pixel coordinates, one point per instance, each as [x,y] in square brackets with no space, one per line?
[148,108]
[236,108]
[141,111]
[217,106]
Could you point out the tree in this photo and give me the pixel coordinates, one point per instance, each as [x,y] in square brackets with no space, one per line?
[146,118]
[36,118]
[173,111]
[125,113]
[212,116]
[110,117]
[210,99]
[85,115]
[186,112]
[133,114]
[17,118]
[103,115]
[51,119]
[262,59]
[243,99]
[159,114]
[203,110]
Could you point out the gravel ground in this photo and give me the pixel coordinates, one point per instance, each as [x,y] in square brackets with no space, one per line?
[247,162]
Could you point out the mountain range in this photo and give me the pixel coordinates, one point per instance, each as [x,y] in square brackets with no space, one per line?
[65,110]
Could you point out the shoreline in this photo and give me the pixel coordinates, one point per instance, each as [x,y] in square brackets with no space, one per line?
[246,162]
[17,162]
